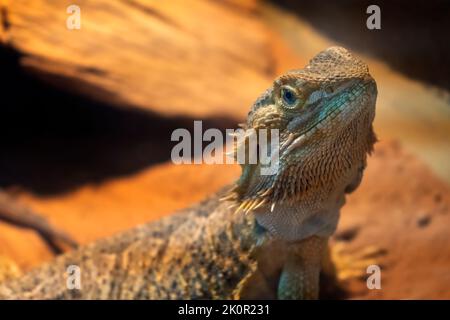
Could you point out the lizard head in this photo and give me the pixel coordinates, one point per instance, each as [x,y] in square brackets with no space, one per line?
[323,114]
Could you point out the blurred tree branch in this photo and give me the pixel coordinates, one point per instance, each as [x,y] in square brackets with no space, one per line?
[17,214]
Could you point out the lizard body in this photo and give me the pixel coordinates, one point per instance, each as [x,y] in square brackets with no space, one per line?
[274,245]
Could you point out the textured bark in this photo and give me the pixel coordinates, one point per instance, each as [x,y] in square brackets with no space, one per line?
[170,57]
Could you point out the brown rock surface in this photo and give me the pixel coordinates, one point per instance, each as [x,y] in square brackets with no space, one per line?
[403,208]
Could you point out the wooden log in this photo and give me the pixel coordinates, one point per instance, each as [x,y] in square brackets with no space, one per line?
[177,57]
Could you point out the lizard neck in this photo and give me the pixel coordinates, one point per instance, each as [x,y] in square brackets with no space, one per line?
[295,221]
[315,211]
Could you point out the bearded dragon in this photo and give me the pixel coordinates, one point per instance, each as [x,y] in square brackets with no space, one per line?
[266,236]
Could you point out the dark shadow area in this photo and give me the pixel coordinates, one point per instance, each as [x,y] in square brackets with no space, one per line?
[52,141]
[331,289]
[414,35]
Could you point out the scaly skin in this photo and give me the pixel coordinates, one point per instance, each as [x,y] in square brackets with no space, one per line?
[274,244]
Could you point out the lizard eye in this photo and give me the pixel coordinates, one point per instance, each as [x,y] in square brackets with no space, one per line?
[289,97]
